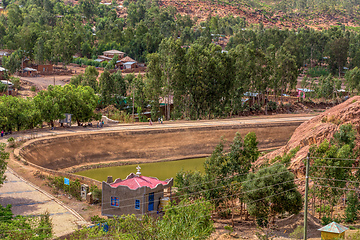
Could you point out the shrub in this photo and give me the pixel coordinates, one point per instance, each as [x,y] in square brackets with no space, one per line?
[355,236]
[298,232]
[33,88]
[229,228]
[73,189]
[96,192]
[3,87]
[225,214]
[11,142]
[16,82]
[97,219]
[272,106]
[352,208]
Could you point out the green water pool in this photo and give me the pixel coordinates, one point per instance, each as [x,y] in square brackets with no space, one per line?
[161,170]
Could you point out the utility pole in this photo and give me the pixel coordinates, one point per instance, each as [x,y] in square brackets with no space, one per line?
[133,103]
[306,195]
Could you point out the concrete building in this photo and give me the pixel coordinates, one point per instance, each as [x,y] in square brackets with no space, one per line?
[45,68]
[134,195]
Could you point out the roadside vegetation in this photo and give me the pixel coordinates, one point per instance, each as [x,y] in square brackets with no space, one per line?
[185,220]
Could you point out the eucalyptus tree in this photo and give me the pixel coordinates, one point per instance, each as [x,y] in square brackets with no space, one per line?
[286,71]
[338,51]
[352,78]
[166,71]
[328,169]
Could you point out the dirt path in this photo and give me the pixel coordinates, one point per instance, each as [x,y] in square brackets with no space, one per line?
[28,200]
[43,82]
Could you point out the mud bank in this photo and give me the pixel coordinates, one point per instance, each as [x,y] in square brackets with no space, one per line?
[61,152]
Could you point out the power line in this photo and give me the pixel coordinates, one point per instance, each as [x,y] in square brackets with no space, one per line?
[345,159]
[132,205]
[205,190]
[339,180]
[351,189]
[336,167]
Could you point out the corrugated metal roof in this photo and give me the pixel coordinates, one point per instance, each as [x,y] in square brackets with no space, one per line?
[333,228]
[129,63]
[30,69]
[305,90]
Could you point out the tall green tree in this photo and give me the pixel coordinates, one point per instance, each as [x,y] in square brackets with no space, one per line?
[352,78]
[338,52]
[51,104]
[80,102]
[13,62]
[271,191]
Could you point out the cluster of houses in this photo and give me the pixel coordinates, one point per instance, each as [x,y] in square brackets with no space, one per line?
[28,69]
[122,62]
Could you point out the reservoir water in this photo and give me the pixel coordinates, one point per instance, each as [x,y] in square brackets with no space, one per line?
[161,170]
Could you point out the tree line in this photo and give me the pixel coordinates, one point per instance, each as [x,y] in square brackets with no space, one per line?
[54,31]
[48,106]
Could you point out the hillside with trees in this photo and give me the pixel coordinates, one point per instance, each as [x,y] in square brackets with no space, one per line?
[273,13]
[219,66]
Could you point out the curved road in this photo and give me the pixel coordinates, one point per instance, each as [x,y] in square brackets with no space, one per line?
[27,199]
[139,126]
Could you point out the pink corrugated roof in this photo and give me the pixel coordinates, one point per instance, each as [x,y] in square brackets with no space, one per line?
[141,181]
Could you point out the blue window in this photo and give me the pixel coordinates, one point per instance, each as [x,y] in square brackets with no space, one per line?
[151,202]
[114,201]
[137,204]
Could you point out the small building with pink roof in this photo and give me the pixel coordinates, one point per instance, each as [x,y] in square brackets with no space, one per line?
[136,194]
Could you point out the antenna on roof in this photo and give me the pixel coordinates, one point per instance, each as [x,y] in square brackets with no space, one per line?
[138,173]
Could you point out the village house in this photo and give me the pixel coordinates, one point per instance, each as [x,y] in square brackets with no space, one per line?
[28,72]
[136,194]
[111,53]
[45,68]
[126,63]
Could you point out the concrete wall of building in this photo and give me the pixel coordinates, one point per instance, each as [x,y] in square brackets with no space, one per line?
[127,199]
[45,68]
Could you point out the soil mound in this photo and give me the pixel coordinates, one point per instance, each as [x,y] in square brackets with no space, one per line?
[289,224]
[317,130]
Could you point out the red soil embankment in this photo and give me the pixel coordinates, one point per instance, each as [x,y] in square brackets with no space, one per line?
[151,145]
[317,130]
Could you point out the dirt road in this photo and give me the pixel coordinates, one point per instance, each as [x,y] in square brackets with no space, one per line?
[167,124]
[43,82]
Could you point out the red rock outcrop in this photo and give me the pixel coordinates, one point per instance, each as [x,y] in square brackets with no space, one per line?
[317,130]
